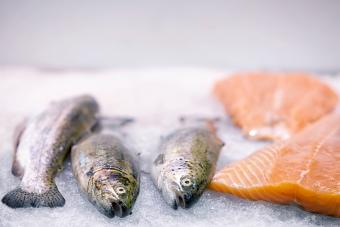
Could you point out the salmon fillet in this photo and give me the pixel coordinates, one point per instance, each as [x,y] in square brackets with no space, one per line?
[274,106]
[304,170]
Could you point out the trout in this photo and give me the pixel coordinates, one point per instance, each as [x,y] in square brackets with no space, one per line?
[41,146]
[106,173]
[186,164]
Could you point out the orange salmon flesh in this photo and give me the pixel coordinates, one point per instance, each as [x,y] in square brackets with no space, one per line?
[304,170]
[274,106]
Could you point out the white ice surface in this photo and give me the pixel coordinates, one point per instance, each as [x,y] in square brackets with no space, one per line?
[156,98]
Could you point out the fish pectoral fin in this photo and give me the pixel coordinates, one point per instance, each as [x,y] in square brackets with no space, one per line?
[17,168]
[19,198]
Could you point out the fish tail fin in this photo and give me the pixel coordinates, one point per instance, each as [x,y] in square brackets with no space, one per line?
[19,198]
[111,123]
[209,122]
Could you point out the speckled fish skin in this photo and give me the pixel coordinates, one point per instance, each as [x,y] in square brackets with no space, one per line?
[106,173]
[42,147]
[186,165]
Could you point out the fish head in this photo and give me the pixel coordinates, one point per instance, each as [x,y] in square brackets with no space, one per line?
[182,187]
[188,191]
[114,192]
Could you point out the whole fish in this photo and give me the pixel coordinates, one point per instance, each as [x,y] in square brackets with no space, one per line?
[41,147]
[186,164]
[107,173]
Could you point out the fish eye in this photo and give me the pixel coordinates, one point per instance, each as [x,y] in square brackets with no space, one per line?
[186,182]
[120,190]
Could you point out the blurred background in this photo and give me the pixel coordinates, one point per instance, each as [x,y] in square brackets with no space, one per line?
[240,34]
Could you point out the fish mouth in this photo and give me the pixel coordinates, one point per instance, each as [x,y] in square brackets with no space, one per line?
[119,209]
[183,201]
[180,201]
